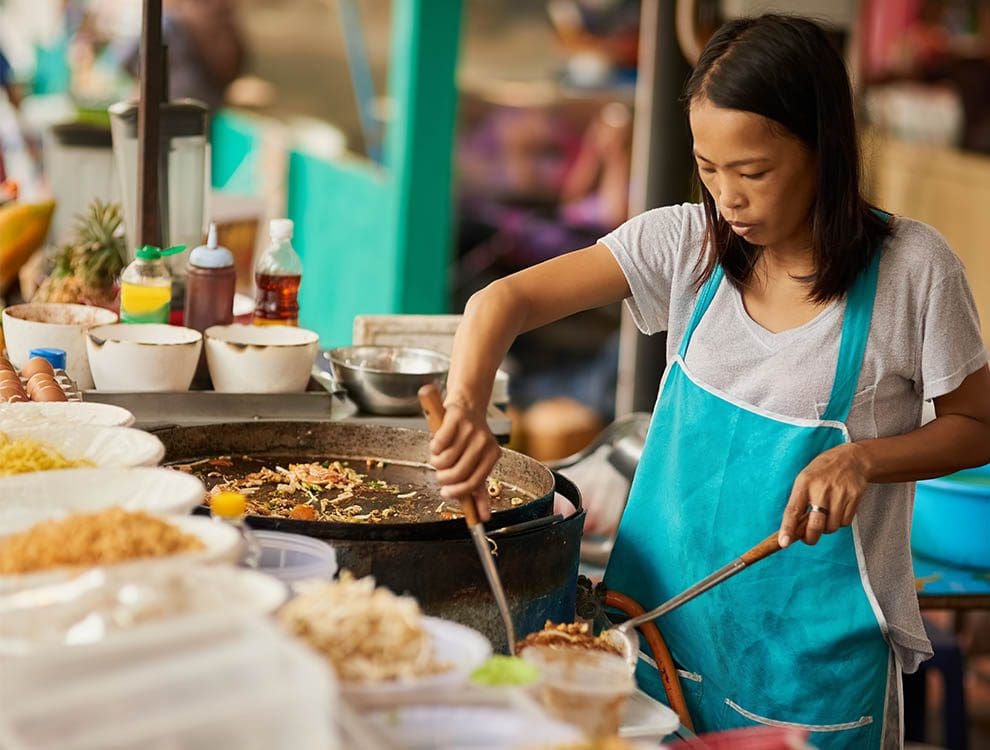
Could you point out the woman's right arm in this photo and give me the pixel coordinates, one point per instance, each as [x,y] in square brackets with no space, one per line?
[464,450]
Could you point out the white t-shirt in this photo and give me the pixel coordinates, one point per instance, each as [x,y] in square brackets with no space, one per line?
[924,340]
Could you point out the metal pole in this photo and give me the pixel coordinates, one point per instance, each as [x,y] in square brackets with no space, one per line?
[149,124]
[661,175]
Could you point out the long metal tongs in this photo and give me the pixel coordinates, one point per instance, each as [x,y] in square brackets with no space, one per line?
[429,399]
[624,632]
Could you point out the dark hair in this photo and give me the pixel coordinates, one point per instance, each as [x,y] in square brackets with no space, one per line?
[786,69]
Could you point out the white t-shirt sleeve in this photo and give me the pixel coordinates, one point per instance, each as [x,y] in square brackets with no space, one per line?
[647,248]
[951,344]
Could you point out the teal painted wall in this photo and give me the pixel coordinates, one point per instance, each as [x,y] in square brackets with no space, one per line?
[373,240]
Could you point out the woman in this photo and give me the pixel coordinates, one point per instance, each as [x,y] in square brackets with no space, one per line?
[805,330]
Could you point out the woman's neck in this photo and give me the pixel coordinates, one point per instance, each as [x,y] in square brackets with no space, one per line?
[793,261]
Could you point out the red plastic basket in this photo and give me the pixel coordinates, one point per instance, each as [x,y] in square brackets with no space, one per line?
[752,738]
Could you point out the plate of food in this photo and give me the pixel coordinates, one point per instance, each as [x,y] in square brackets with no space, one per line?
[48,549]
[46,448]
[381,645]
[26,499]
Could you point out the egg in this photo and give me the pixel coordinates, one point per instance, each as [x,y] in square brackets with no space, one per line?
[37,380]
[11,394]
[49,393]
[36,365]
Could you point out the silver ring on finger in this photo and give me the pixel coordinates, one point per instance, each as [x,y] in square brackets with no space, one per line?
[818,509]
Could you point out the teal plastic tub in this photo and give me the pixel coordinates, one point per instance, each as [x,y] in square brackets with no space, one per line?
[952,519]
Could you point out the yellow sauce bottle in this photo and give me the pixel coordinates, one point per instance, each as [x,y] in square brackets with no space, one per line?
[146,287]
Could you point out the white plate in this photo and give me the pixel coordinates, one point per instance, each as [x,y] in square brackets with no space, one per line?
[38,413]
[222,544]
[26,499]
[102,446]
[463,648]
[476,727]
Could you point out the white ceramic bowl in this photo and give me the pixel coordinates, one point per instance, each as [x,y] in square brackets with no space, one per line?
[143,357]
[260,359]
[32,326]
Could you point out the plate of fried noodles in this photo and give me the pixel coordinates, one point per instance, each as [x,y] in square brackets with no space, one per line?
[380,644]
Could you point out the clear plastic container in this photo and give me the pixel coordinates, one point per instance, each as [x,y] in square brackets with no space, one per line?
[293,557]
[197,684]
[588,689]
[229,508]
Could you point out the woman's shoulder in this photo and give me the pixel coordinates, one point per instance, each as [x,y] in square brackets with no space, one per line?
[918,252]
[664,231]
[690,215]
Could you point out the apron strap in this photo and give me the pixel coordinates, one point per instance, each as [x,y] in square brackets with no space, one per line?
[705,297]
[855,333]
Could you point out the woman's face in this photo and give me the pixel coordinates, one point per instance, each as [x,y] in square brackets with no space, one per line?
[762,179]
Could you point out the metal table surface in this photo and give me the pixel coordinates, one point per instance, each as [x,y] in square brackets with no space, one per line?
[158,410]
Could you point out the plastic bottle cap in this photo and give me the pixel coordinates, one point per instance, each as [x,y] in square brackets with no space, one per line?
[228,504]
[211,255]
[150,252]
[55,357]
[280,229]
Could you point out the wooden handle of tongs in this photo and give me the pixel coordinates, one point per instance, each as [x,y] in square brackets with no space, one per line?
[432,403]
[771,544]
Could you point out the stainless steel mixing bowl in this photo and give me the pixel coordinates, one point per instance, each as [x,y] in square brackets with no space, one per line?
[386,379]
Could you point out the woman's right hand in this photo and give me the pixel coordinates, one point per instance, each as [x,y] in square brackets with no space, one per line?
[464,451]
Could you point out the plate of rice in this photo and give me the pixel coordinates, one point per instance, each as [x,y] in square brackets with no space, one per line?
[47,550]
[26,499]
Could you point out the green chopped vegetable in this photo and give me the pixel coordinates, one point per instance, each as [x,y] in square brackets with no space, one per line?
[505,671]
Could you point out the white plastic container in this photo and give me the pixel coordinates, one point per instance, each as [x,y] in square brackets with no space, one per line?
[202,684]
[293,557]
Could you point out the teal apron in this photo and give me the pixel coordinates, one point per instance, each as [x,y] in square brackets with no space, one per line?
[797,640]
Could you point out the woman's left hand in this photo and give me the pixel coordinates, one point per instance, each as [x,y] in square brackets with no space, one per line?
[832,486]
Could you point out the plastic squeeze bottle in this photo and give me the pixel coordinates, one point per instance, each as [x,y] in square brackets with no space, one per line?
[277,276]
[229,508]
[146,286]
[210,285]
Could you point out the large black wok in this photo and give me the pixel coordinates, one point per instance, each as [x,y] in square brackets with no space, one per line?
[403,452]
[435,561]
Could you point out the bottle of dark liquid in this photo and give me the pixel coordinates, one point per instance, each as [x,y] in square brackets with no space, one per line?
[277,276]
[210,285]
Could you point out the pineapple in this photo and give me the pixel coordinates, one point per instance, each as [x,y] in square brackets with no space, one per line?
[85,271]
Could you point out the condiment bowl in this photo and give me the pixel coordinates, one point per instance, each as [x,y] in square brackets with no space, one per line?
[260,359]
[143,357]
[61,326]
[386,379]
